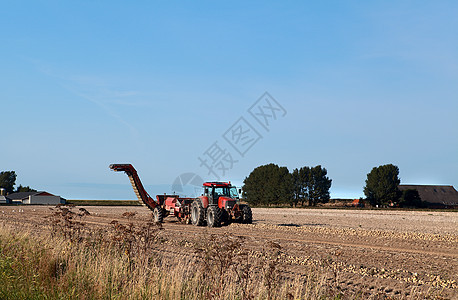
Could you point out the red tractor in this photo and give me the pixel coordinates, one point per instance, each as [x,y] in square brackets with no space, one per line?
[219,203]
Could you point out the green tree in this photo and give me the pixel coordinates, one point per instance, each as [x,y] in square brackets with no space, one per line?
[8,180]
[382,185]
[300,178]
[268,185]
[297,188]
[411,198]
[318,185]
[21,188]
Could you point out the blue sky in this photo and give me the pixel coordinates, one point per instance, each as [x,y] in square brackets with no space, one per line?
[154,83]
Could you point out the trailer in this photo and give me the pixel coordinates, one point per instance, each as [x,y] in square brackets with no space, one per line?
[218,204]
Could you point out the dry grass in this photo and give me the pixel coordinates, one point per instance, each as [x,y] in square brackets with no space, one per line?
[125,261]
[139,260]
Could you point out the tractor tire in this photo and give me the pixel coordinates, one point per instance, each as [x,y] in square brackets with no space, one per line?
[213,216]
[247,216]
[197,213]
[225,217]
[158,214]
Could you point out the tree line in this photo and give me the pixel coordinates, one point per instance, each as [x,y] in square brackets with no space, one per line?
[273,185]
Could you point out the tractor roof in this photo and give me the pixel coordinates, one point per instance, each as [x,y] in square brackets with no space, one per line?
[217,184]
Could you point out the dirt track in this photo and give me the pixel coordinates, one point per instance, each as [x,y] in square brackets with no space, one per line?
[372,253]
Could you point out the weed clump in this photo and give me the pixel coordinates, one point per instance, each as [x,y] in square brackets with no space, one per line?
[134,260]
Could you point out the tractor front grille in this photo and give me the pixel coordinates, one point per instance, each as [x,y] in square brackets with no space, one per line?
[230,205]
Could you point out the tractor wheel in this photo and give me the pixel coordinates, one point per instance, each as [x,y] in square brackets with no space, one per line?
[158,214]
[197,213]
[213,216]
[247,216]
[225,217]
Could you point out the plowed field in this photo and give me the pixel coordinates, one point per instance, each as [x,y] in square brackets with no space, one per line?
[370,253]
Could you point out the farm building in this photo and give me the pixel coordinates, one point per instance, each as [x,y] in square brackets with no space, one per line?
[4,200]
[41,197]
[436,196]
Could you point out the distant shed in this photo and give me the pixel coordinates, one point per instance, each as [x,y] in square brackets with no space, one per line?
[436,196]
[16,198]
[40,197]
[4,200]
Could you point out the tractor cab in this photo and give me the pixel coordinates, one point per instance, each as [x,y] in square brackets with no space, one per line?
[215,190]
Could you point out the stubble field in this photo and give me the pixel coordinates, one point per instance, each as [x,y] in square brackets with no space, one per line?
[375,254]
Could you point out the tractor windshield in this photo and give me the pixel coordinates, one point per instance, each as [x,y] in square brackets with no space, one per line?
[234,193]
[225,191]
[222,191]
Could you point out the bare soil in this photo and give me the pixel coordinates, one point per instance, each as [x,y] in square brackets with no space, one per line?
[378,254]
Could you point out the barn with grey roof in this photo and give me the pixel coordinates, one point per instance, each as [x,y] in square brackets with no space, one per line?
[40,197]
[436,196]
